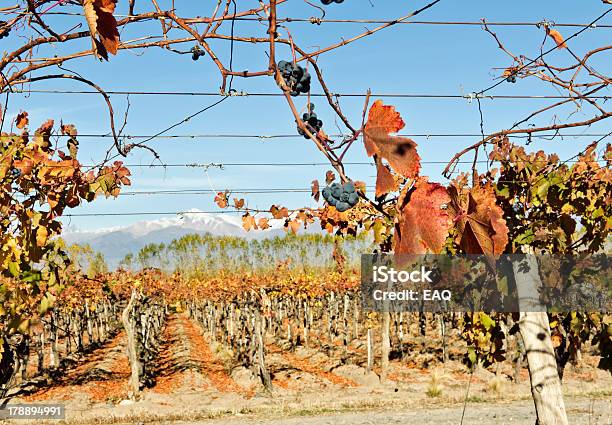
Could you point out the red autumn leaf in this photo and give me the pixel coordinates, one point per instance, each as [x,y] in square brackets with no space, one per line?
[400,152]
[329,177]
[481,228]
[314,188]
[385,182]
[22,120]
[423,222]
[102,26]
[556,35]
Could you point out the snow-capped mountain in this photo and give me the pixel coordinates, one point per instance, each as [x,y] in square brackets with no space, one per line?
[116,242]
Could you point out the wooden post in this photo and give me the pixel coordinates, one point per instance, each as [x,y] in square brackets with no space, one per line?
[131,346]
[535,330]
[385,345]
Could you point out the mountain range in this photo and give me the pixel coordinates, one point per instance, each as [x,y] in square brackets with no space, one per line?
[116,242]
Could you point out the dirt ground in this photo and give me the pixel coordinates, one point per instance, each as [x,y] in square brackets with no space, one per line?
[197,383]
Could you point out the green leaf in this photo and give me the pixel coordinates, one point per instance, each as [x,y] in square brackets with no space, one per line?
[486,321]
[525,238]
[471,354]
[14,268]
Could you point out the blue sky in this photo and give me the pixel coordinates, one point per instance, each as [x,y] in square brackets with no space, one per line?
[423,59]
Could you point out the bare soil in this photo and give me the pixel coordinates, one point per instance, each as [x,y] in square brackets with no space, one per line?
[198,383]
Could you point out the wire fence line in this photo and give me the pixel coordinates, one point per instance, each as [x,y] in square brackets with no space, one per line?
[208,165]
[222,165]
[469,96]
[317,21]
[298,136]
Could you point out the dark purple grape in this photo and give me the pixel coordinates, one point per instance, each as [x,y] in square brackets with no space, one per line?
[336,190]
[349,187]
[342,206]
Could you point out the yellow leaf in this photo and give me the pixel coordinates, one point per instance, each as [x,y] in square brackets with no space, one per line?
[41,236]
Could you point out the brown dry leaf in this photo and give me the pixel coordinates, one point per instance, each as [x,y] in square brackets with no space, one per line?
[481,228]
[238,203]
[279,213]
[314,188]
[329,177]
[68,130]
[248,222]
[22,120]
[43,134]
[556,35]
[423,223]
[102,26]
[400,152]
[385,182]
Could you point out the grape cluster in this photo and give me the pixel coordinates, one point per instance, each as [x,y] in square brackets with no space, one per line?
[196,52]
[343,197]
[313,124]
[326,2]
[4,30]
[511,79]
[296,77]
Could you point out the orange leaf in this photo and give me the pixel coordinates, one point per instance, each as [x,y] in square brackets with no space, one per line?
[385,182]
[423,223]
[292,225]
[248,222]
[263,223]
[221,199]
[400,152]
[22,120]
[360,186]
[481,228]
[238,203]
[25,166]
[556,35]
